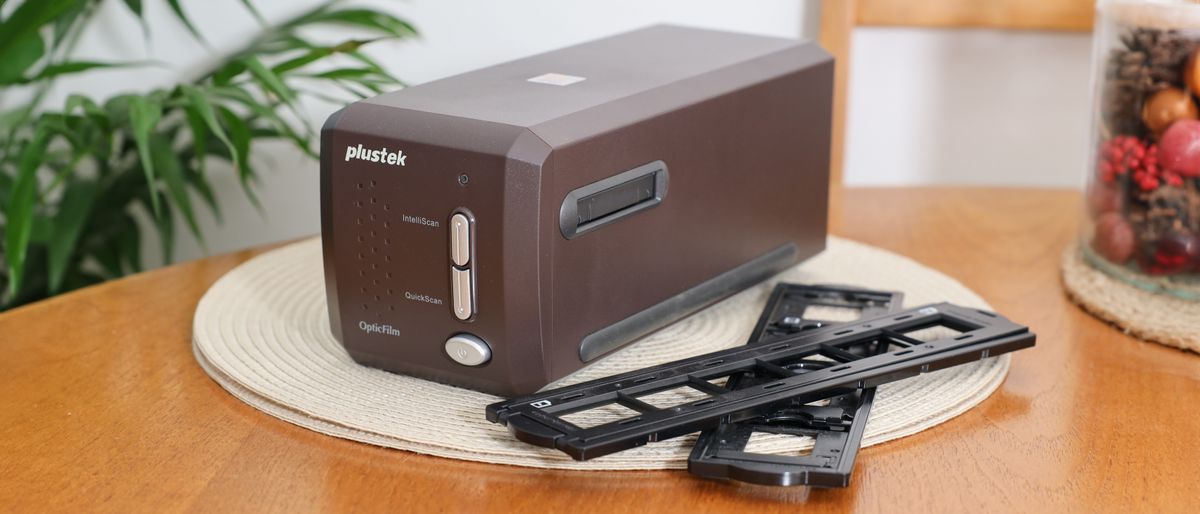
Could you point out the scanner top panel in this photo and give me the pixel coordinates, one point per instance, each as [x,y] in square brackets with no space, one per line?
[612,68]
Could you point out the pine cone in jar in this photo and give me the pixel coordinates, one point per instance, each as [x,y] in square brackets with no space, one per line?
[1151,60]
[1155,214]
[1127,81]
[1164,222]
[1164,54]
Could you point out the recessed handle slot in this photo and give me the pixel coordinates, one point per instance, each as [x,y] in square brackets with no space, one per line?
[608,200]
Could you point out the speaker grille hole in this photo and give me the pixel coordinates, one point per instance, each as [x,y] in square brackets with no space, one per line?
[375,248]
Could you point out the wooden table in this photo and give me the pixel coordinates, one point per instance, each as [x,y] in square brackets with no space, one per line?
[102,407]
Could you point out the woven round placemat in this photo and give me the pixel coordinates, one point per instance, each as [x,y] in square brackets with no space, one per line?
[1154,317]
[262,333]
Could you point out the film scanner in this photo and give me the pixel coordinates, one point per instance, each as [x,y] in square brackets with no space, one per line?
[502,228]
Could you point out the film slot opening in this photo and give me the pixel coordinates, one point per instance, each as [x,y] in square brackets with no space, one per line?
[605,201]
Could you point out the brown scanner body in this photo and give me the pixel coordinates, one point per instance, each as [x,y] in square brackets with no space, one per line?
[741,124]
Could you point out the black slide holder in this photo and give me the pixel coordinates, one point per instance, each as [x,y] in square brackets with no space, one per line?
[889,356]
[836,428]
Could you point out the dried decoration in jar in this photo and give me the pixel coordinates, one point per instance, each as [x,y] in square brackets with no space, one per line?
[1144,194]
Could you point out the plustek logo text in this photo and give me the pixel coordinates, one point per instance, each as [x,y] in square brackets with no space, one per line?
[381,155]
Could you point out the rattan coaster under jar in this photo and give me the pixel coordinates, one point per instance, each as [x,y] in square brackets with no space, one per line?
[1143,314]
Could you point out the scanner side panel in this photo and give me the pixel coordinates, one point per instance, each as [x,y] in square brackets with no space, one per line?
[748,152]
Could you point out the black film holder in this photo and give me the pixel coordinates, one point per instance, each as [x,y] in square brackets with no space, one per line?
[867,353]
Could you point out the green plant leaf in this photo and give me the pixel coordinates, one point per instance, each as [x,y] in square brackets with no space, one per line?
[10,119]
[70,67]
[144,113]
[130,244]
[347,88]
[28,18]
[360,18]
[369,78]
[225,74]
[299,62]
[56,124]
[322,96]
[268,79]
[23,54]
[64,22]
[344,73]
[34,284]
[73,211]
[239,134]
[109,257]
[254,12]
[90,109]
[200,118]
[80,279]
[20,211]
[187,22]
[198,103]
[196,177]
[164,224]
[316,54]
[199,182]
[268,113]
[77,101]
[134,145]
[6,187]
[135,6]
[117,109]
[40,234]
[279,43]
[371,63]
[166,163]
[199,132]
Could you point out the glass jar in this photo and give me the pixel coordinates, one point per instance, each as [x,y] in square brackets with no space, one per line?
[1143,192]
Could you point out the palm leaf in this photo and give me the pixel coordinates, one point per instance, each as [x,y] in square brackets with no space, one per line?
[369,19]
[28,18]
[20,211]
[21,56]
[166,163]
[198,103]
[187,22]
[71,67]
[74,208]
[144,113]
[240,135]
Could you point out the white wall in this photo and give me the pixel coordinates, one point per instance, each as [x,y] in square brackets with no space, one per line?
[926,106]
[967,107]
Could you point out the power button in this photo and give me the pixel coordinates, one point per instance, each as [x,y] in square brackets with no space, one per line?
[468,350]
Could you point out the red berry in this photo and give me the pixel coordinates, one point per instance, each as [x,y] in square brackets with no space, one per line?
[1127,155]
[1177,251]
[1180,146]
[1114,239]
[1117,156]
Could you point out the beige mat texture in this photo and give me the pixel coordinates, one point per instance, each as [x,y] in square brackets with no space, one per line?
[263,334]
[1154,317]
